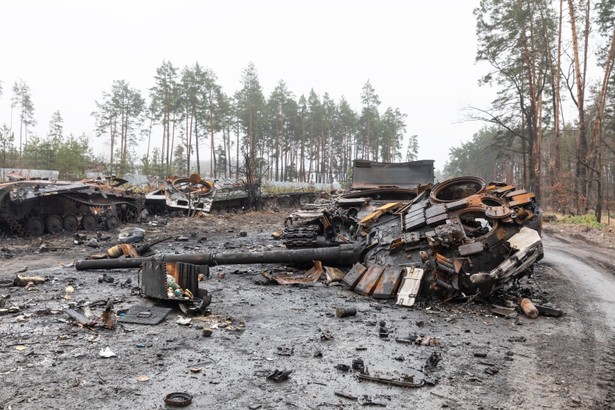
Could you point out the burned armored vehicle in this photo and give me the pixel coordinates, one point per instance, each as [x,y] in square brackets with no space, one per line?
[457,238]
[195,194]
[184,195]
[33,207]
[460,238]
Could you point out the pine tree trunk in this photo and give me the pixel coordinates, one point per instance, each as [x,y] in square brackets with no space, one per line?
[581,154]
[596,137]
[213,171]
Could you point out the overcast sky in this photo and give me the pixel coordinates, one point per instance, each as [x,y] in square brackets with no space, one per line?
[418,55]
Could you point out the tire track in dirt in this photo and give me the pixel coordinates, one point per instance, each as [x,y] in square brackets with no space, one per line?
[591,277]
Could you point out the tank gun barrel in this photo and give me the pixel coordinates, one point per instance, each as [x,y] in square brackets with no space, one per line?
[346,254]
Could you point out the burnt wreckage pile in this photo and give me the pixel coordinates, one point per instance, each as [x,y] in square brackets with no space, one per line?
[194,194]
[186,195]
[401,238]
[33,207]
[460,237]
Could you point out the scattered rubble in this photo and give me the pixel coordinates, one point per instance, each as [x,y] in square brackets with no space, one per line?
[464,240]
[462,237]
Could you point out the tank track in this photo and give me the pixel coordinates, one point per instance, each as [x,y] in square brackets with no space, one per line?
[5,218]
[15,227]
[301,236]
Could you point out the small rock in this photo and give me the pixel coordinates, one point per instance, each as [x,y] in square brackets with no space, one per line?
[106,353]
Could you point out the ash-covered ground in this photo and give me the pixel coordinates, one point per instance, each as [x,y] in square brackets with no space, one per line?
[467,357]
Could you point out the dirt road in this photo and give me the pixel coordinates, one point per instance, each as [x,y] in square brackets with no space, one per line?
[486,361]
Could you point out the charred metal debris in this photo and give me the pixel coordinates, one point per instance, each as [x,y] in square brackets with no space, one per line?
[34,207]
[462,237]
[458,238]
[194,194]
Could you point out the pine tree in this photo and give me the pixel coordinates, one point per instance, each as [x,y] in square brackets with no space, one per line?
[120,116]
[22,101]
[369,120]
[164,105]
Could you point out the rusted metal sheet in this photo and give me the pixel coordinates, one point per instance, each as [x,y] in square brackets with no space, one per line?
[369,281]
[310,276]
[388,285]
[522,199]
[410,175]
[516,192]
[353,277]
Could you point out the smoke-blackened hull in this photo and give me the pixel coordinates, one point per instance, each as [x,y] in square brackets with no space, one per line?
[32,208]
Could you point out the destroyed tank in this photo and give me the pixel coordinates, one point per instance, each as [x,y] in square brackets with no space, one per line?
[33,207]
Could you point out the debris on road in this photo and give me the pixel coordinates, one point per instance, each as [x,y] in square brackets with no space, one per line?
[345,312]
[79,318]
[184,321]
[528,308]
[433,360]
[407,381]
[279,375]
[549,311]
[106,353]
[311,276]
[145,315]
[131,235]
[178,399]
[21,280]
[504,311]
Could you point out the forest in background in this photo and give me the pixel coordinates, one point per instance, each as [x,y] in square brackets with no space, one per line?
[551,128]
[187,120]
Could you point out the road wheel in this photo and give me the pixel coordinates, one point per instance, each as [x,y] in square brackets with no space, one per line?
[89,222]
[35,226]
[304,200]
[131,214]
[53,224]
[112,222]
[70,223]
